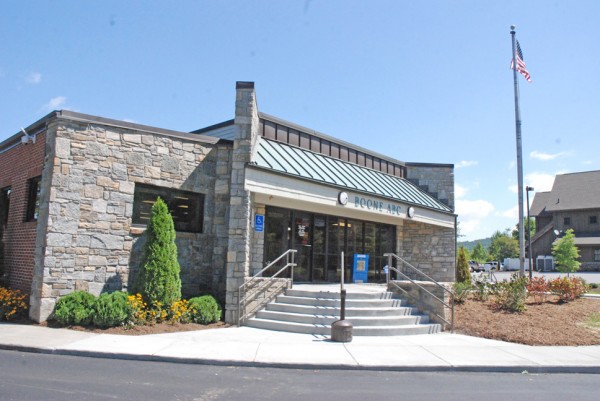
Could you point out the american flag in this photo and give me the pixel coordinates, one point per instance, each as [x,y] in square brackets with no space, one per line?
[520,64]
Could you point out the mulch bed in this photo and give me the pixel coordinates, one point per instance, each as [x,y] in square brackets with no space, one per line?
[548,323]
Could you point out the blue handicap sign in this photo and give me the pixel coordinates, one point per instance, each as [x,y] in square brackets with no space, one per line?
[259,223]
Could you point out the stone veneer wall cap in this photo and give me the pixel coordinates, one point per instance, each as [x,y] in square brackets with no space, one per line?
[86,118]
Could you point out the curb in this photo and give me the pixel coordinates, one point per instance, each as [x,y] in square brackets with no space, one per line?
[522,369]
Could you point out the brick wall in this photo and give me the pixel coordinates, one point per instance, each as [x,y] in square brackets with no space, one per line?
[17,166]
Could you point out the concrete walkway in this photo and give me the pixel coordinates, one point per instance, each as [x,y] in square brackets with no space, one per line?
[255,347]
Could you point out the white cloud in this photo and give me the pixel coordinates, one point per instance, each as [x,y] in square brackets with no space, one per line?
[471,213]
[466,163]
[512,213]
[547,156]
[459,191]
[33,78]
[55,103]
[541,182]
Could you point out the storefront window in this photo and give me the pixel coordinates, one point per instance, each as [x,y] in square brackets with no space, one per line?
[33,200]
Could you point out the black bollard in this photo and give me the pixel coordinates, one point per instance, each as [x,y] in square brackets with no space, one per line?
[341,330]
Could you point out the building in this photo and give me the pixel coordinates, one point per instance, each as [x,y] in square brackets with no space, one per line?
[77,192]
[573,202]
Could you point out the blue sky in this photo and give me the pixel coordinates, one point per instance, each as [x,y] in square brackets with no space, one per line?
[422,81]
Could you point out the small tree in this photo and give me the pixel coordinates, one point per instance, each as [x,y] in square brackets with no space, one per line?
[479,253]
[565,253]
[463,274]
[158,280]
[503,246]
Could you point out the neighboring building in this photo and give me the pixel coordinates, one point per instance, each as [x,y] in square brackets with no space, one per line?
[573,202]
[77,195]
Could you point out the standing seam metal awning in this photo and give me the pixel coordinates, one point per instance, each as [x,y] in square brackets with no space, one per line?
[302,163]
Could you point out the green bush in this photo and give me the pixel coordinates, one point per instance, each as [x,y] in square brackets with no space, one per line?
[112,310]
[463,273]
[461,291]
[481,287]
[158,280]
[511,295]
[205,309]
[75,308]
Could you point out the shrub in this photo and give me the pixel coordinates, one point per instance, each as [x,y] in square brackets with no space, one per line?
[463,273]
[204,309]
[481,287]
[112,310]
[75,308]
[461,291]
[568,288]
[565,253]
[12,303]
[511,295]
[538,287]
[158,280]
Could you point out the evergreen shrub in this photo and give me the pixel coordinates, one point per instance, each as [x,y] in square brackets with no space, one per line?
[112,310]
[463,273]
[158,280]
[75,308]
[204,309]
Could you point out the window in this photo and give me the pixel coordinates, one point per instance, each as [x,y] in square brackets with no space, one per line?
[4,204]
[33,199]
[596,255]
[187,208]
[567,221]
[593,220]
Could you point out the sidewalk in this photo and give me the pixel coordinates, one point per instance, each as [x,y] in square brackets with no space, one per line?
[247,346]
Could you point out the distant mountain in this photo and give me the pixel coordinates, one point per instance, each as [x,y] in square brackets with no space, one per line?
[471,244]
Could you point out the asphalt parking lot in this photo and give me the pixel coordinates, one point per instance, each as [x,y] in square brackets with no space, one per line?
[589,277]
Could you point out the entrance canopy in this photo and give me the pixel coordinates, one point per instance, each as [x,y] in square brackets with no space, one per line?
[299,175]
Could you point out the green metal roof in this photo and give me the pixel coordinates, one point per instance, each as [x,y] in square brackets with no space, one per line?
[304,164]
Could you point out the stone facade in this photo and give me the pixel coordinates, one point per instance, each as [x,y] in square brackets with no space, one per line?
[419,294]
[435,179]
[240,208]
[429,248]
[86,240]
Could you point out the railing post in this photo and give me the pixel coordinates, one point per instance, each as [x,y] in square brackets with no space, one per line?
[389,264]
[292,271]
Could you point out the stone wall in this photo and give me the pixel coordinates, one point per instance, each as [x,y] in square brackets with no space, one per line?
[240,208]
[87,240]
[435,179]
[429,248]
[416,296]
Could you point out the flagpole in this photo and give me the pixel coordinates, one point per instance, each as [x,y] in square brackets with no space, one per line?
[519,157]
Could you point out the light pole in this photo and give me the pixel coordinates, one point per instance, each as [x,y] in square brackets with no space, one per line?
[528,227]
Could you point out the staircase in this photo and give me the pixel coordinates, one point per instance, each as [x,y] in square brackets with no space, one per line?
[311,309]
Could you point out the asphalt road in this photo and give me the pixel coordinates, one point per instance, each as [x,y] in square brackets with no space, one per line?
[26,376]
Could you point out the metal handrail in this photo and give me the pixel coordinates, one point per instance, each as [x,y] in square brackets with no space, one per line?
[243,299]
[416,270]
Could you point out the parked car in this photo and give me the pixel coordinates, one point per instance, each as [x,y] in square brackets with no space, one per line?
[491,266]
[474,266]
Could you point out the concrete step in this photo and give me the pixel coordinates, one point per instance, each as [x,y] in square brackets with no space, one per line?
[356,321]
[335,310]
[336,294]
[317,329]
[373,312]
[350,303]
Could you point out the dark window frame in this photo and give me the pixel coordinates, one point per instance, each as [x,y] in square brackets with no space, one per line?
[5,204]
[34,186]
[177,200]
[566,221]
[593,220]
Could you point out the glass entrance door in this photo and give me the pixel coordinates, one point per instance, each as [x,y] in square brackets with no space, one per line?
[302,242]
